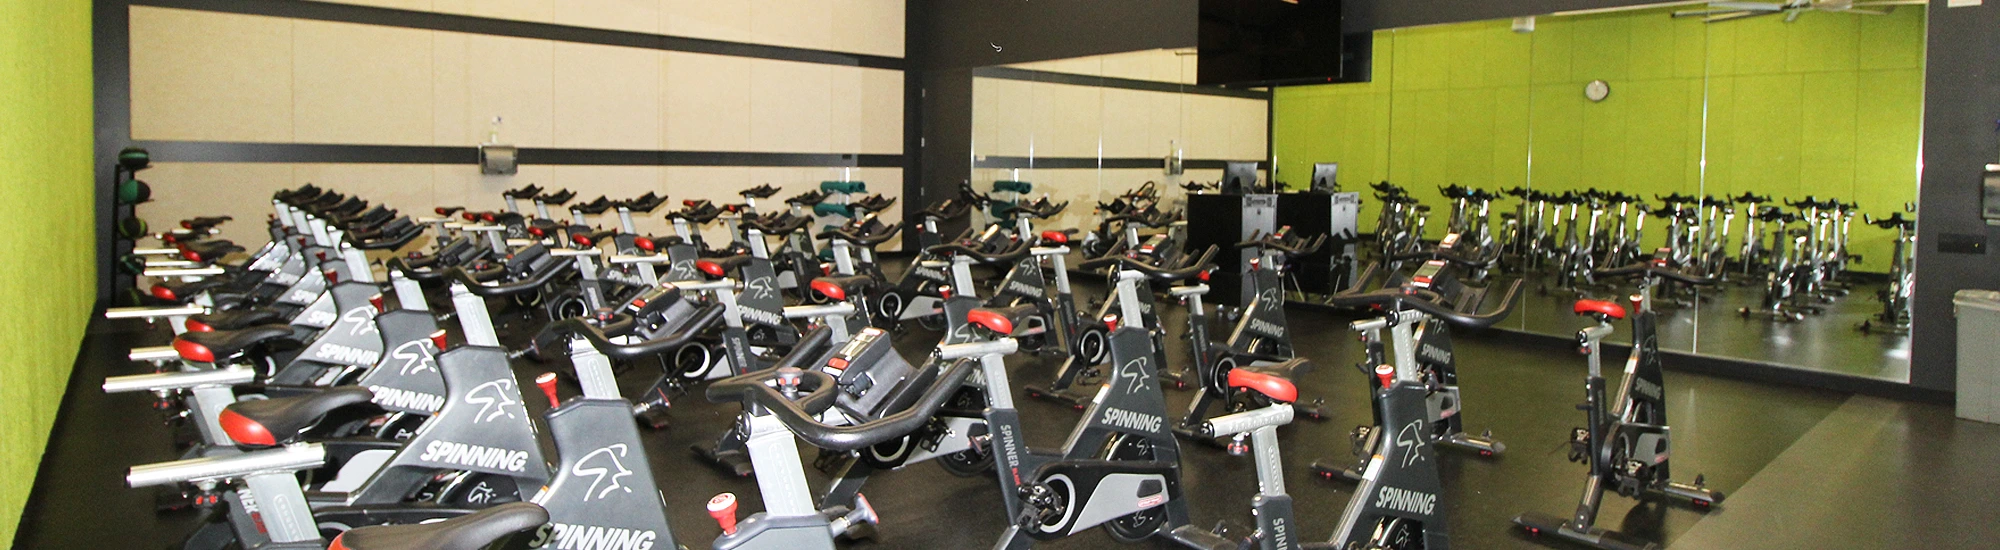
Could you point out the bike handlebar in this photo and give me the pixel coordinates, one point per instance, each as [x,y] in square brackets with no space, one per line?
[1185,271]
[872,239]
[533,281]
[1291,246]
[1651,269]
[777,225]
[1447,255]
[764,191]
[705,318]
[1430,303]
[1015,253]
[800,414]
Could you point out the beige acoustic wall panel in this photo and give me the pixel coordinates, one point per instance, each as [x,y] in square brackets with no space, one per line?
[607,97]
[790,107]
[210,76]
[1218,127]
[1007,109]
[707,102]
[727,21]
[415,5]
[872,27]
[203,76]
[184,190]
[881,120]
[1066,120]
[504,77]
[361,84]
[539,11]
[451,70]
[1140,123]
[624,15]
[798,23]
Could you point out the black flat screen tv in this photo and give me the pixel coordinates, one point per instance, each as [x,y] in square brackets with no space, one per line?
[1246,43]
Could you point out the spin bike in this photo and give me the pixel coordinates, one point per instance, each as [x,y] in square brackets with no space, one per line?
[1895,315]
[1425,347]
[1260,339]
[1120,467]
[1625,447]
[1397,503]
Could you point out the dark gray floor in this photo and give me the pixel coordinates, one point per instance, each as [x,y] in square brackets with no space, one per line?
[1804,468]
[1828,342]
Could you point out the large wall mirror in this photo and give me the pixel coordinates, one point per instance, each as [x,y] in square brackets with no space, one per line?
[1086,130]
[1799,130]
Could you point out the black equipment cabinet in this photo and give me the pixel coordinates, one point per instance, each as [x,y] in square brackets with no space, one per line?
[1222,221]
[1333,266]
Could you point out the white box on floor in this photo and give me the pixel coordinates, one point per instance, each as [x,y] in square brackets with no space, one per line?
[1978,314]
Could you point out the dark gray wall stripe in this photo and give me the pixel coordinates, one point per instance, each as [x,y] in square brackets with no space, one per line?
[218,151]
[409,19]
[609,157]
[215,151]
[1011,73]
[111,68]
[1061,163]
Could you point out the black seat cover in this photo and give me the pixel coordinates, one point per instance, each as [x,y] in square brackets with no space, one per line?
[726,265]
[183,291]
[280,419]
[211,250]
[228,298]
[1289,369]
[238,318]
[225,343]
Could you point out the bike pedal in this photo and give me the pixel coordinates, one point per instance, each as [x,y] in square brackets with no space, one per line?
[654,417]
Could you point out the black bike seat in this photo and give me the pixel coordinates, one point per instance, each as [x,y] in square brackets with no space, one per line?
[269,422]
[472,531]
[1003,320]
[233,319]
[840,288]
[206,347]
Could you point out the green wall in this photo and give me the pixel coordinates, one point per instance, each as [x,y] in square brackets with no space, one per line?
[1828,105]
[47,273]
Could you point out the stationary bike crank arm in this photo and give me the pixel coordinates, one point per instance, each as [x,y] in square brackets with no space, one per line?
[1484,444]
[1696,494]
[1077,402]
[1592,536]
[1331,469]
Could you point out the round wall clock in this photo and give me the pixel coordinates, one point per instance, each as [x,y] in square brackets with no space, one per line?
[1597,90]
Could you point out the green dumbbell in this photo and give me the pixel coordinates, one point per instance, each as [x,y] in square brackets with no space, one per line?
[1013,187]
[843,187]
